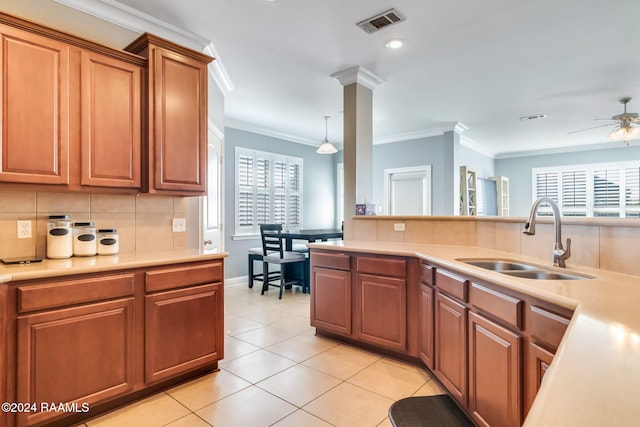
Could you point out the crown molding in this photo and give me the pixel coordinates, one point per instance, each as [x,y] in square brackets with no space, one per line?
[140,22]
[248,127]
[570,149]
[477,147]
[359,75]
[407,136]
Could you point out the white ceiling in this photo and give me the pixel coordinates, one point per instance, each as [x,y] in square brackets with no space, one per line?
[481,63]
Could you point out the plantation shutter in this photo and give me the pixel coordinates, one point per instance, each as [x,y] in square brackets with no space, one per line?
[262,193]
[574,193]
[606,193]
[244,202]
[295,196]
[547,185]
[632,192]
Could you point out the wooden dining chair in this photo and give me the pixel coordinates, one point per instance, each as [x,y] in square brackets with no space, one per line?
[274,253]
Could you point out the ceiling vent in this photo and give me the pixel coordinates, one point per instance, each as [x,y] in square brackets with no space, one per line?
[378,22]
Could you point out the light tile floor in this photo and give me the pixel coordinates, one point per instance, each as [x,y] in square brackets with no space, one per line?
[277,372]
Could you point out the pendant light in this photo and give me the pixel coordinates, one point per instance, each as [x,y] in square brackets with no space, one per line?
[325,146]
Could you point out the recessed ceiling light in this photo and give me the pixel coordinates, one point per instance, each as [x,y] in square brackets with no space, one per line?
[395,43]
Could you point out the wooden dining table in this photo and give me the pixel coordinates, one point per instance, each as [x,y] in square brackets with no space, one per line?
[310,236]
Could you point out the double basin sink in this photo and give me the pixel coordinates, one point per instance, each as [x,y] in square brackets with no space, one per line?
[522,270]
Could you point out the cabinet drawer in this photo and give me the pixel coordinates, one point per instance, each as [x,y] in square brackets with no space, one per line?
[497,304]
[547,327]
[382,266]
[336,261]
[426,274]
[177,277]
[51,295]
[452,284]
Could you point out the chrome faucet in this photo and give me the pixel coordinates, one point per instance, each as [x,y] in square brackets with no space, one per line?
[559,253]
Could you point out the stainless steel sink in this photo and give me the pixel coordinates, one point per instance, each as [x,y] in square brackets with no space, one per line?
[499,265]
[544,275]
[522,270]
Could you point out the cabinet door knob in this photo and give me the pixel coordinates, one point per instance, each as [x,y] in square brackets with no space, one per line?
[208,242]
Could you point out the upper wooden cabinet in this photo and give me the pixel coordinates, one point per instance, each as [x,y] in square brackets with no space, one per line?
[34,90]
[176,113]
[71,111]
[111,144]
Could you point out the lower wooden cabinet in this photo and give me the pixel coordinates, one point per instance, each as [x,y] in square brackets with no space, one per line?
[83,354]
[451,346]
[331,300]
[181,330]
[427,325]
[89,340]
[495,374]
[381,307]
[537,362]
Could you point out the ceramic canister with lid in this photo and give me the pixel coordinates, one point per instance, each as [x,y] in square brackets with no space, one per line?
[108,241]
[84,239]
[59,239]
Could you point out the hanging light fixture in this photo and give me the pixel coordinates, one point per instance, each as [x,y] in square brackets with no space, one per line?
[625,132]
[325,146]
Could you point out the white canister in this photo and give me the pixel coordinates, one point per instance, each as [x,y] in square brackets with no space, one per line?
[108,243]
[84,239]
[59,239]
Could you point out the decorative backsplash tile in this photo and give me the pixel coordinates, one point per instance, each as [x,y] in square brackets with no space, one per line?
[143,222]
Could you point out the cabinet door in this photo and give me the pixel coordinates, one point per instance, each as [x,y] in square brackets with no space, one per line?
[495,375]
[183,330]
[34,121]
[381,307]
[83,354]
[451,346]
[179,139]
[426,325]
[331,300]
[110,126]
[538,361]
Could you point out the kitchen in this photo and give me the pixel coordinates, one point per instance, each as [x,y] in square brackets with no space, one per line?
[141,219]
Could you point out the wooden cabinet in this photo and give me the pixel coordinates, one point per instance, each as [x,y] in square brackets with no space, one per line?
[381,310]
[495,374]
[62,352]
[101,339]
[451,346]
[538,361]
[427,325]
[176,108]
[71,111]
[331,292]
[34,121]
[182,330]
[111,142]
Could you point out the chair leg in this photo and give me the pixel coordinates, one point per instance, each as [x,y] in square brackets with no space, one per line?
[282,281]
[265,277]
[251,270]
[306,287]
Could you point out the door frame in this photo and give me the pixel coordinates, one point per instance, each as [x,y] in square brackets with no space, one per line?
[217,134]
[426,208]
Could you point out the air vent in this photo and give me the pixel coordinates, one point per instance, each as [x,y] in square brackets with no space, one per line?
[533,117]
[378,22]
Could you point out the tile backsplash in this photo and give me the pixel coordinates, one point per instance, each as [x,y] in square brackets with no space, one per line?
[144,222]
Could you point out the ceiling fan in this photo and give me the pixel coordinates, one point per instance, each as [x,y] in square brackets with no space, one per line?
[625,123]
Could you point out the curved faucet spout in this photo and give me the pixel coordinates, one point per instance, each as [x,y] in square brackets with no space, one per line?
[559,254]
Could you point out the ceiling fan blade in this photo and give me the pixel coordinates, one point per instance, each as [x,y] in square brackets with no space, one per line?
[606,120]
[595,127]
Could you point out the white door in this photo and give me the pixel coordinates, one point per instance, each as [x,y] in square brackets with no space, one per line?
[212,203]
[408,191]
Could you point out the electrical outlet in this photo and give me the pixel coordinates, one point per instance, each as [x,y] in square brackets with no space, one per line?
[398,227]
[24,229]
[179,225]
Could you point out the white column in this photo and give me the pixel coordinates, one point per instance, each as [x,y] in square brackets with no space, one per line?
[358,139]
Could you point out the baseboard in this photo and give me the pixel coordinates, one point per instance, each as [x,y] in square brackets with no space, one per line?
[235,281]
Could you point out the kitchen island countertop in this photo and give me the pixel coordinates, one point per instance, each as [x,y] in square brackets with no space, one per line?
[593,380]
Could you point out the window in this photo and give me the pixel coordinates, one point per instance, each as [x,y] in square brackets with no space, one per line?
[268,190]
[595,190]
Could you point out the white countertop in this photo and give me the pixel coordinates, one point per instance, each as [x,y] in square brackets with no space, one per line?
[594,379]
[95,264]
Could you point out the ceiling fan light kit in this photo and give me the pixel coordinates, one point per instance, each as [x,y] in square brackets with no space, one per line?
[625,129]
